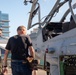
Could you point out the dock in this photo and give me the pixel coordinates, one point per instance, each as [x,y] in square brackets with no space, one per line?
[39,72]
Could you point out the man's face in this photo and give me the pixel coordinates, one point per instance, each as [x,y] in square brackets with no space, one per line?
[0,33]
[22,31]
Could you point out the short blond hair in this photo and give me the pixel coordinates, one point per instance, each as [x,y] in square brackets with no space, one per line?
[20,27]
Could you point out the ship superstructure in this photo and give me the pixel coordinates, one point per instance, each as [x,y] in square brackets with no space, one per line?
[56,41]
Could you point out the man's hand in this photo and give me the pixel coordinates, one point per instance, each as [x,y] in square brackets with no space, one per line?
[30,59]
[4,69]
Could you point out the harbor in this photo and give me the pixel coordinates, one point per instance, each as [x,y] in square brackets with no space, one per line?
[52,36]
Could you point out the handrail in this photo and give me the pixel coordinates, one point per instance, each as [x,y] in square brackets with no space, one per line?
[66,13]
[72,11]
[32,9]
[50,16]
[51,13]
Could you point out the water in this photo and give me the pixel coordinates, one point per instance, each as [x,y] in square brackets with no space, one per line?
[41,62]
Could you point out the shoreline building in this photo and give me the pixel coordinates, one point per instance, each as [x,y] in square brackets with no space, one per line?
[4,24]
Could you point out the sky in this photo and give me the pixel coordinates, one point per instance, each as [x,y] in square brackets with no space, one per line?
[19,13]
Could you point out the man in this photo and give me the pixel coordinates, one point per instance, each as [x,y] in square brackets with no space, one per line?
[19,45]
[0,32]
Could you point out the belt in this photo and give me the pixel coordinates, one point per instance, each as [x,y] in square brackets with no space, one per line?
[23,61]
